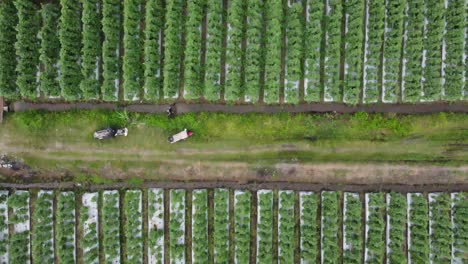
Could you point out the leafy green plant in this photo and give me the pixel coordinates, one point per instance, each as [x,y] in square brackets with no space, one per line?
[352,228]
[286,223]
[397,208]
[294,51]
[330,228]
[18,251]
[89,227]
[264,226]
[172,48]
[441,231]
[4,225]
[8,22]
[273,42]
[221,226]
[309,229]
[332,84]
[242,226]
[70,52]
[111,23]
[156,226]
[418,229]
[199,226]
[314,31]
[253,55]
[43,228]
[460,226]
[65,227]
[110,226]
[177,226]
[133,226]
[375,230]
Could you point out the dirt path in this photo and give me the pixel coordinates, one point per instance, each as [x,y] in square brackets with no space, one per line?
[419,108]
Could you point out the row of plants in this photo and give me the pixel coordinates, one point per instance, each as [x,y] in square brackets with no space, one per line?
[89,227]
[374,32]
[441,227]
[309,228]
[396,226]
[111,23]
[330,229]
[265,226]
[221,226]
[433,35]
[352,228]
[314,32]
[111,226]
[235,57]
[18,248]
[193,82]
[133,226]
[254,53]
[43,228]
[273,43]
[295,31]
[154,24]
[242,226]
[133,45]
[353,51]
[8,22]
[65,227]
[394,20]
[215,33]
[91,49]
[418,240]
[332,83]
[459,216]
[375,228]
[412,52]
[286,224]
[172,48]
[455,18]
[177,226]
[156,226]
[4,232]
[50,50]
[200,226]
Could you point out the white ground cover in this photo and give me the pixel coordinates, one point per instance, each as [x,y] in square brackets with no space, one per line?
[91,225]
[4,224]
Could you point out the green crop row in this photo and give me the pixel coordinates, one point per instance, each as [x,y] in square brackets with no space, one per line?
[133,227]
[418,227]
[440,237]
[18,249]
[89,229]
[43,228]
[273,44]
[314,29]
[352,228]
[177,226]
[330,227]
[264,226]
[8,22]
[65,231]
[375,233]
[242,226]
[221,226]
[199,226]
[156,226]
[50,50]
[460,227]
[172,47]
[295,31]
[332,84]
[309,228]
[286,223]
[253,55]
[110,226]
[111,21]
[3,225]
[396,211]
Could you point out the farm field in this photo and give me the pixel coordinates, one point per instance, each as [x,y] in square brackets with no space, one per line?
[289,227]
[234,51]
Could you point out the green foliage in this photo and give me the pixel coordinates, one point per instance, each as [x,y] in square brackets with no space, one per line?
[455,17]
[332,84]
[3,223]
[294,51]
[133,45]
[177,226]
[50,50]
[330,228]
[172,48]
[352,228]
[433,35]
[199,226]
[397,208]
[460,224]
[273,38]
[91,48]
[286,224]
[242,226]
[70,52]
[235,56]
[375,222]
[253,57]
[413,51]
[27,45]
[214,49]
[8,22]
[221,226]
[193,84]
[418,229]
[133,227]
[353,51]
[156,231]
[313,34]
[375,31]
[89,229]
[392,50]
[154,22]
[111,22]
[111,226]
[43,228]
[309,229]
[441,237]
[264,226]
[18,251]
[65,227]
